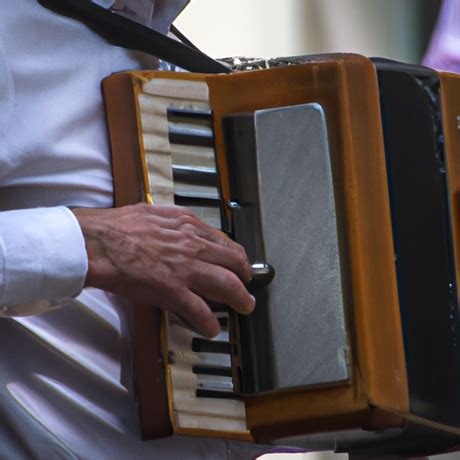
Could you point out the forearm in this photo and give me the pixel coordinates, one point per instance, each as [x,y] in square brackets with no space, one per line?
[164,256]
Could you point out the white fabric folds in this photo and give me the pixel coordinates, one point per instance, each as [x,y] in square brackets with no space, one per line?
[157,14]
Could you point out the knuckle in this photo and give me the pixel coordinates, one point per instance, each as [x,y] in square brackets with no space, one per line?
[188,228]
[241,259]
[223,240]
[239,246]
[175,300]
[241,250]
[187,219]
[195,247]
[231,281]
[187,212]
[202,314]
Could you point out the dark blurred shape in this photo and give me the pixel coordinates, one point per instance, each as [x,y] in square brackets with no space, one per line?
[427,15]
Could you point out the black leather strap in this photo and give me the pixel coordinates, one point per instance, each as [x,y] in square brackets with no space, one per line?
[128,34]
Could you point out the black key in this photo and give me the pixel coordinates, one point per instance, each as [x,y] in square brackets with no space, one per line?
[210,346]
[218,307]
[195,176]
[209,370]
[188,201]
[176,114]
[190,136]
[223,321]
[216,394]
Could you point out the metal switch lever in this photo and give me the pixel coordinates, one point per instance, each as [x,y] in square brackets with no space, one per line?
[262,274]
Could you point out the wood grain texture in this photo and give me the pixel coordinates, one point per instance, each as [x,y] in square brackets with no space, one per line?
[128,177]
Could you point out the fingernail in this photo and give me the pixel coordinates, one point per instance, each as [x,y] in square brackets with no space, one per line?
[253,302]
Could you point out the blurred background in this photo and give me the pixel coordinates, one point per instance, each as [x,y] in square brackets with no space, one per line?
[395,29]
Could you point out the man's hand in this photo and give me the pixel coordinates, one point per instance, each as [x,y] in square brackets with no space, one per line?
[164,255]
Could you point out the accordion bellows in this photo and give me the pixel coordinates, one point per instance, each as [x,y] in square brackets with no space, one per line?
[164,126]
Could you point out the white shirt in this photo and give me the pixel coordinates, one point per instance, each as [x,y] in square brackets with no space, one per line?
[65,375]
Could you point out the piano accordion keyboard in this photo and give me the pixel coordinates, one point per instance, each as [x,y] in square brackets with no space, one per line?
[181,169]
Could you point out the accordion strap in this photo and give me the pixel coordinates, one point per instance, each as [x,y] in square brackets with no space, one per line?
[128,34]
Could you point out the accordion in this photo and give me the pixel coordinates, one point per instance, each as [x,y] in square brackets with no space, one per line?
[344,174]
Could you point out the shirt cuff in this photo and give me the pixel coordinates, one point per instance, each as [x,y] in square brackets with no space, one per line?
[42,256]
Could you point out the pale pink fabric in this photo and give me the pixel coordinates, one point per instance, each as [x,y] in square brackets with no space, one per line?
[444,50]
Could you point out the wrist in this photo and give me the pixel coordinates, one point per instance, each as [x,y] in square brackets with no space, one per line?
[94,229]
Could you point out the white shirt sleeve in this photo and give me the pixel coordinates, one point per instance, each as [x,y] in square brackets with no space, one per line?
[43,259]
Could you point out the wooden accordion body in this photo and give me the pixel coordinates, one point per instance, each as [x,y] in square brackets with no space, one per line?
[392,395]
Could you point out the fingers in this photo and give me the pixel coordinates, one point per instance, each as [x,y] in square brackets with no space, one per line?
[196,314]
[182,219]
[222,259]
[175,261]
[200,241]
[220,285]
[229,258]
